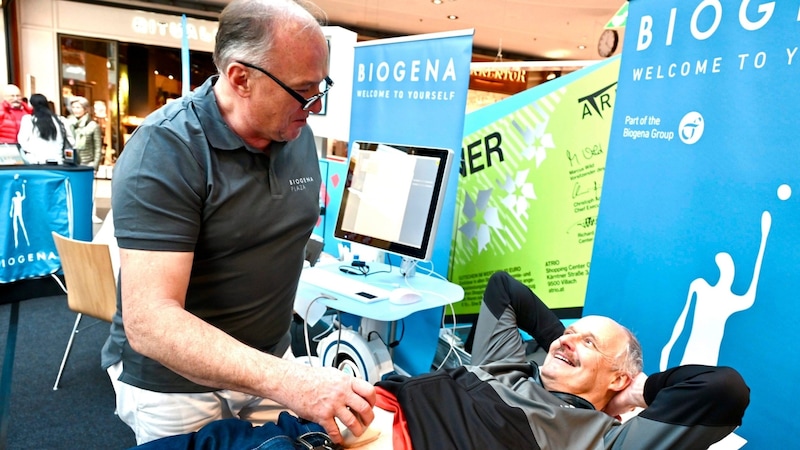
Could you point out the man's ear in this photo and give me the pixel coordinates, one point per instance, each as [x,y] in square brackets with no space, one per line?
[620,381]
[239,79]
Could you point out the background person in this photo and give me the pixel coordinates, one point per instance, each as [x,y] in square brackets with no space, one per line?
[41,133]
[214,199]
[11,113]
[88,139]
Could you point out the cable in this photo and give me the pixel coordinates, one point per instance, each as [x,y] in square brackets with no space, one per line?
[361,270]
[338,339]
[305,326]
[430,271]
[322,333]
[452,341]
[380,271]
[397,341]
[354,270]
[369,336]
[407,280]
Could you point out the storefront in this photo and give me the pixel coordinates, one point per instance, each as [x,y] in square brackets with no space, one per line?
[123,81]
[125,62]
[128,62]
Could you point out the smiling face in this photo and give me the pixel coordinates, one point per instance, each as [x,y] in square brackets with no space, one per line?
[586,360]
[13,96]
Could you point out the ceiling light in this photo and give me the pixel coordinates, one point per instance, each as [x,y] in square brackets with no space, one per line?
[452,17]
[557,54]
[437,2]
[581,47]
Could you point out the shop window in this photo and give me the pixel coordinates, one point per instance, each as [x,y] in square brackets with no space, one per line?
[125,82]
[88,69]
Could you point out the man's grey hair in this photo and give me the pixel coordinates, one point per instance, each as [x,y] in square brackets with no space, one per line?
[630,360]
[247,28]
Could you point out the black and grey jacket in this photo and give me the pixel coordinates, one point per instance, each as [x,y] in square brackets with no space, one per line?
[502,406]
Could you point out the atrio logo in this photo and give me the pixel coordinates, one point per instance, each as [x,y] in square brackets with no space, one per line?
[597,102]
[691,127]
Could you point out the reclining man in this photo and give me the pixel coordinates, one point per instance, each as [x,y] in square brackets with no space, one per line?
[591,375]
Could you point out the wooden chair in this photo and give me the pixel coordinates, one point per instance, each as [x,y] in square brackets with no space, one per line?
[91,286]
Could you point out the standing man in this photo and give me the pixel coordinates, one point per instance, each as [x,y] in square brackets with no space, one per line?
[215,197]
[11,113]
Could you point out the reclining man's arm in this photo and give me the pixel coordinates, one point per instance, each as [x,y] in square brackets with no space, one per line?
[497,331]
[689,406]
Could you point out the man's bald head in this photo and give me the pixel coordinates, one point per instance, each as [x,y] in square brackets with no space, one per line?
[13,96]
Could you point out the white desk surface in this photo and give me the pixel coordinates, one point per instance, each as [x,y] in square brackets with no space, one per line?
[435,292]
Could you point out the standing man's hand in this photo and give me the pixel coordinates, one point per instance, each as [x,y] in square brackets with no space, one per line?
[323,394]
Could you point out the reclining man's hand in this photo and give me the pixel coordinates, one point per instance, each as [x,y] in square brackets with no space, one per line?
[628,399]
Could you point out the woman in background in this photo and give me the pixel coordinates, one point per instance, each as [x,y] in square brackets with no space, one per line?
[88,141]
[41,134]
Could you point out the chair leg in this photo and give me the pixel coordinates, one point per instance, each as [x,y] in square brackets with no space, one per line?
[66,352]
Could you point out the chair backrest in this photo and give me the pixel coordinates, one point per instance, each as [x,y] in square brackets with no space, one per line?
[91,288]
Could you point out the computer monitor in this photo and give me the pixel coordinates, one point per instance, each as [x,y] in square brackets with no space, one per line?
[393,197]
[10,155]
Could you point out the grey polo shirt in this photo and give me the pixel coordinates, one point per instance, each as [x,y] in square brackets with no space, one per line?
[187,183]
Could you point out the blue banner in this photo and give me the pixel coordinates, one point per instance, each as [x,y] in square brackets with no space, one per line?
[697,229]
[33,204]
[413,91]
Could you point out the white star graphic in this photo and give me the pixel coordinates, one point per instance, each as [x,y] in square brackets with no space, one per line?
[491,218]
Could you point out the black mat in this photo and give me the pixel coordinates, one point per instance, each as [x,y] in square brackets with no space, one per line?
[80,414]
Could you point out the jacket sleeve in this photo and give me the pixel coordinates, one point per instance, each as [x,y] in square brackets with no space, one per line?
[690,406]
[509,305]
[97,142]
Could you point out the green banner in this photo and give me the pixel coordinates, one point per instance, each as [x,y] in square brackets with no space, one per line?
[619,19]
[531,172]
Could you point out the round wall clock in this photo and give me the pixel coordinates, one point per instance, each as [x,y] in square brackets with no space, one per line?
[608,42]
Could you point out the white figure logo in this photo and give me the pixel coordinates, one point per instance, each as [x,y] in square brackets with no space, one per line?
[17,221]
[713,305]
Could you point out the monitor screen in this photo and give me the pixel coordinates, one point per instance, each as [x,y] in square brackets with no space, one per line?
[10,154]
[393,197]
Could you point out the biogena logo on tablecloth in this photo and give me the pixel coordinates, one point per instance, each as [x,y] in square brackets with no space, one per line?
[36,203]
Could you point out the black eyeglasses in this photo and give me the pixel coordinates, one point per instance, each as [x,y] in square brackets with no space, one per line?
[306,102]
